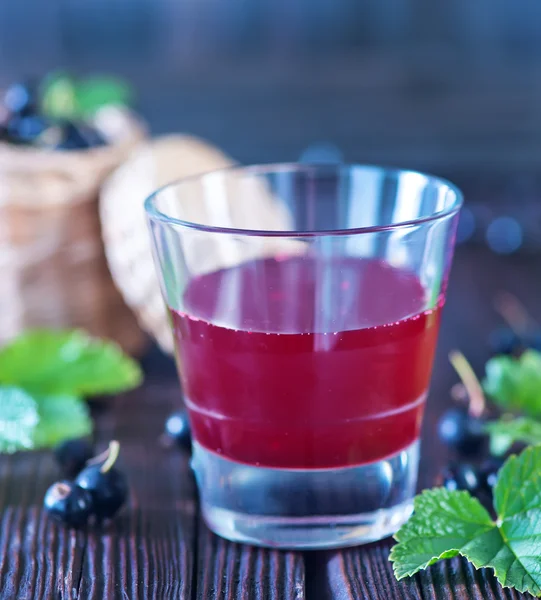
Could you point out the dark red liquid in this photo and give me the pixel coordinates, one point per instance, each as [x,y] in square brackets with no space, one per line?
[287,377]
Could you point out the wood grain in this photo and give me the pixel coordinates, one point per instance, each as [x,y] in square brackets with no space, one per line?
[38,559]
[148,551]
[229,571]
[366,573]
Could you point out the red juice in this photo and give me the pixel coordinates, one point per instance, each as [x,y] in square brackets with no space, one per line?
[306,362]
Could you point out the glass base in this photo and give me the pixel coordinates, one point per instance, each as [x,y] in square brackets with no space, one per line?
[306,508]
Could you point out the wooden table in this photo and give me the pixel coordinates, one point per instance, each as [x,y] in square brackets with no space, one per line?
[160,549]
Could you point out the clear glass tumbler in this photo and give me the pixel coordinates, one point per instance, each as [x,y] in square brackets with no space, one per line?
[305,303]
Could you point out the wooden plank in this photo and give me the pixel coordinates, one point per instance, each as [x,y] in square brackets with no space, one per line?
[229,571]
[147,552]
[365,573]
[38,558]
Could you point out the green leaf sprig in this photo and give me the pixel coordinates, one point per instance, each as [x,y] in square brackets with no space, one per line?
[64,97]
[452,523]
[514,384]
[508,430]
[44,376]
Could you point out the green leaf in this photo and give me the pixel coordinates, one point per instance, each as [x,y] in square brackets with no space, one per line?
[447,524]
[95,93]
[18,419]
[28,422]
[515,384]
[444,524]
[61,417]
[505,432]
[67,362]
[62,97]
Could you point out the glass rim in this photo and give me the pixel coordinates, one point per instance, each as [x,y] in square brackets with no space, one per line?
[158,216]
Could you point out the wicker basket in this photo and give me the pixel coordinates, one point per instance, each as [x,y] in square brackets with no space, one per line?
[127,242]
[54,271]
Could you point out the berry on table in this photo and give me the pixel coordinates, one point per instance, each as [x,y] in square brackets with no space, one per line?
[462,427]
[462,432]
[106,483]
[72,455]
[488,473]
[461,476]
[68,503]
[504,340]
[177,429]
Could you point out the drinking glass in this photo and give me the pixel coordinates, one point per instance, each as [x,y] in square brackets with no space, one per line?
[305,304]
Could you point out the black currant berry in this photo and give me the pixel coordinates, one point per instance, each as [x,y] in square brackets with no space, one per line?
[505,341]
[107,484]
[20,99]
[78,136]
[532,340]
[462,427]
[27,129]
[488,473]
[462,432]
[68,503]
[461,476]
[177,429]
[72,455]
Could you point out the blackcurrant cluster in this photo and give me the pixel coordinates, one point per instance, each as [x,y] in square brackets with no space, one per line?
[21,123]
[462,429]
[478,479]
[98,490]
[470,469]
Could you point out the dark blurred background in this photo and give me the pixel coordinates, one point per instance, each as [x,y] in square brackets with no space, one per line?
[453,87]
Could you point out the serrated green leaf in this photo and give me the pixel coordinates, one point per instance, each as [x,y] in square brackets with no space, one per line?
[60,418]
[67,362]
[505,432]
[18,419]
[446,524]
[517,500]
[443,525]
[515,384]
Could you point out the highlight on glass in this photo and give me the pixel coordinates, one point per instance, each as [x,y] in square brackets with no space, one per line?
[305,303]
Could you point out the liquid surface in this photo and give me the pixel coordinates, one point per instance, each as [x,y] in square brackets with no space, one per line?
[306,363]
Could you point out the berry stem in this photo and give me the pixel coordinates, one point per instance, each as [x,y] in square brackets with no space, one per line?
[113,451]
[513,312]
[99,458]
[471,383]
